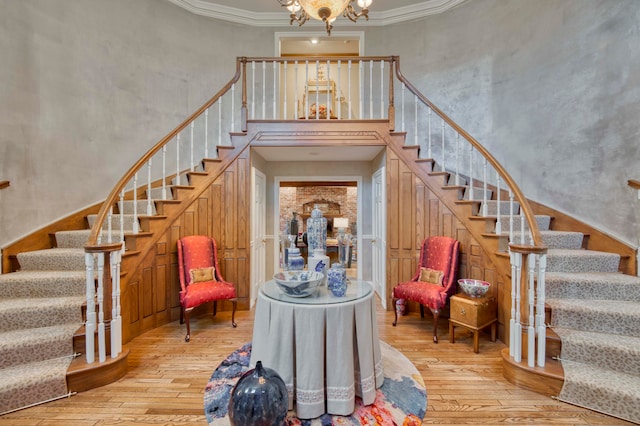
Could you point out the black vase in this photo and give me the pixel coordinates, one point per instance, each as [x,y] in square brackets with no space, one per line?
[259,398]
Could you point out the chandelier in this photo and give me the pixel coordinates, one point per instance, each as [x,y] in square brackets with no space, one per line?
[325,10]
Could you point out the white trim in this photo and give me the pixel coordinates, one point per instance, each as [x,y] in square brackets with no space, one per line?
[279,35]
[278,19]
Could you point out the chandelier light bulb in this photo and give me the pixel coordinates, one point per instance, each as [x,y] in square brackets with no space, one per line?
[365,3]
[294,8]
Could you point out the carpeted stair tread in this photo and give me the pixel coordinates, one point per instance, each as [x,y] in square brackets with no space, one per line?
[79,238]
[17,314]
[42,284]
[56,259]
[505,208]
[552,239]
[601,349]
[604,316]
[32,383]
[603,390]
[36,344]
[594,285]
[142,206]
[543,221]
[116,219]
[567,260]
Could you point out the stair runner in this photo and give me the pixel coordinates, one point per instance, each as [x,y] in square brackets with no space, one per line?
[41,310]
[596,314]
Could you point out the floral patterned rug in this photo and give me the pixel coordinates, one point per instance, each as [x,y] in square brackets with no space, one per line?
[402,399]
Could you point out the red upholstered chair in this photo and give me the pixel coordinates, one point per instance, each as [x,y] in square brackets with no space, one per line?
[436,254]
[200,278]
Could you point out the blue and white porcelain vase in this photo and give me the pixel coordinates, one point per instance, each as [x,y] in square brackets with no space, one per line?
[317,231]
[319,262]
[337,280]
[259,398]
[295,261]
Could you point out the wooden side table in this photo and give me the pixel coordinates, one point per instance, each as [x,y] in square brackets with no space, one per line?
[474,313]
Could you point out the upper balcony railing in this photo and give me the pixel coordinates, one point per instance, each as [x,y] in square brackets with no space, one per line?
[339,88]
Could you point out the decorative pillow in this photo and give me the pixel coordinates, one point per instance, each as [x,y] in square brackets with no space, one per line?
[431,276]
[202,274]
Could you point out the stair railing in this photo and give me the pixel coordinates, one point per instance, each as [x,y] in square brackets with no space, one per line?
[164,164]
[344,88]
[473,168]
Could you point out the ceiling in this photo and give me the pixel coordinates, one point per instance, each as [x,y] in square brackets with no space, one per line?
[269,13]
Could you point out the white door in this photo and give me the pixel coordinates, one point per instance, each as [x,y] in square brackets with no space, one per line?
[379,232]
[258,236]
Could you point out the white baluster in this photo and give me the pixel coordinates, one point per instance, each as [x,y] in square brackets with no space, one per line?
[382,115]
[178,160]
[531,331]
[233,108]
[275,86]
[122,221]
[306,90]
[339,90]
[349,88]
[135,205]
[471,195]
[522,220]
[164,172]
[361,95]
[149,206]
[90,325]
[109,223]
[253,90]
[485,207]
[191,127]
[457,153]
[429,154]
[296,103]
[402,90]
[371,90]
[498,212]
[284,78]
[118,324]
[511,215]
[206,133]
[518,325]
[415,121]
[443,156]
[102,347]
[264,90]
[541,300]
[115,336]
[317,91]
[328,94]
[220,142]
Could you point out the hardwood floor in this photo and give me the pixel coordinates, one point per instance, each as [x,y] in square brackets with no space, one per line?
[166,379]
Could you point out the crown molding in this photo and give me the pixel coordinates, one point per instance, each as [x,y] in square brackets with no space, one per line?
[278,19]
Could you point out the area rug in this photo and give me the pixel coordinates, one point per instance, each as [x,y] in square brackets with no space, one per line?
[401,400]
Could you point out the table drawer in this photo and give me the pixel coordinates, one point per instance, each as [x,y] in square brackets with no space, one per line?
[473,311]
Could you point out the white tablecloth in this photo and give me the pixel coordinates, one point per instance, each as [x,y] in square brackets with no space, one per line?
[326,353]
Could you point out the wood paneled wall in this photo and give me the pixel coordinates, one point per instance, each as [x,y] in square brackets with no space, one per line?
[415,213]
[151,295]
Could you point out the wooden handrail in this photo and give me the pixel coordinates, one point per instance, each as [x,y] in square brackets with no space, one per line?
[111,199]
[635,184]
[524,204]
[4,184]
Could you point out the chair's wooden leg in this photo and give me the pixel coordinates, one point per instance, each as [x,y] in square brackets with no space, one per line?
[186,318]
[233,313]
[215,307]
[421,311]
[436,315]
[395,311]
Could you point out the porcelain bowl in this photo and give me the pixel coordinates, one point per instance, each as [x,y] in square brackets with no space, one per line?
[298,283]
[474,288]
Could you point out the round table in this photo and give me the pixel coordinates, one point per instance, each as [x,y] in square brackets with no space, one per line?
[325,348]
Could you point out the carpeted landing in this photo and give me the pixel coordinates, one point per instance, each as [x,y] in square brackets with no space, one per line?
[402,399]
